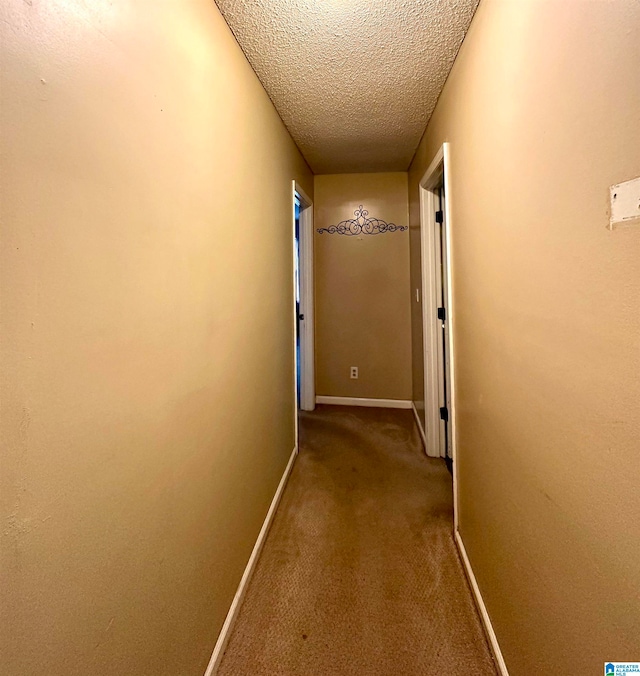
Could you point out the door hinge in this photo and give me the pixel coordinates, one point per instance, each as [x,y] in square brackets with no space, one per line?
[444,413]
[301,317]
[439,216]
[442,314]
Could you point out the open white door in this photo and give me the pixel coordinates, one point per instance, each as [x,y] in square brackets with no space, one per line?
[439,381]
[303,292]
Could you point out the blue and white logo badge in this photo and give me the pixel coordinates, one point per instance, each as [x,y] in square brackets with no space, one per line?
[622,669]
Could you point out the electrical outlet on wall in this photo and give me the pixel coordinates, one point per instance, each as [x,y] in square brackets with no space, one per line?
[354,372]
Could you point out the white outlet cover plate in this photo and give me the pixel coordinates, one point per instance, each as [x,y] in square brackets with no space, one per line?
[625,202]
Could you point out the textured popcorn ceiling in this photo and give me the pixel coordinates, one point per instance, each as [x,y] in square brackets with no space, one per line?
[355,81]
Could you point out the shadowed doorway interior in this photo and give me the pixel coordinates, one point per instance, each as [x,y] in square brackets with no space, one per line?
[303,299]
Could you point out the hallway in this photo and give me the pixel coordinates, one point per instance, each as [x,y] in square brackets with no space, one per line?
[465,259]
[359,573]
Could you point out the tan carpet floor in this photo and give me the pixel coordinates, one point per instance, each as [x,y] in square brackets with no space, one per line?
[359,574]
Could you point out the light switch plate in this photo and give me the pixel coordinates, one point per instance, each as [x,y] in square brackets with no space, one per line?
[625,202]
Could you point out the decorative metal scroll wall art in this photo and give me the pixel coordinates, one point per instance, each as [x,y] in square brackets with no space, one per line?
[362,225]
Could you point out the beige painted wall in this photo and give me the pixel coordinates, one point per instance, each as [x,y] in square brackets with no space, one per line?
[542,110]
[362,289]
[147,362]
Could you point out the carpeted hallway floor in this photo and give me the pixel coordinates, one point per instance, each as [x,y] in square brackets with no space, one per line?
[359,574]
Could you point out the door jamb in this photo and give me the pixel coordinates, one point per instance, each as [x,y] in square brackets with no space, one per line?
[307,347]
[438,170]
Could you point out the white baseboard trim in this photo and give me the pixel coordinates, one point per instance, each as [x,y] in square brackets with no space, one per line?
[225,632]
[360,401]
[484,615]
[419,424]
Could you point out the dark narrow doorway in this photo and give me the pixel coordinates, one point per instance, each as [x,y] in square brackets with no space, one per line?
[443,311]
[299,317]
[303,338]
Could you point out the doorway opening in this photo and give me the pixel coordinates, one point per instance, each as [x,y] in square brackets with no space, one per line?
[437,314]
[305,391]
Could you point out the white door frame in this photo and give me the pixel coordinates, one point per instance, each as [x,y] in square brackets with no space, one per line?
[307,354]
[437,174]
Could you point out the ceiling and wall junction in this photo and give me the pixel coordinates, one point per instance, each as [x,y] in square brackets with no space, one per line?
[355,81]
